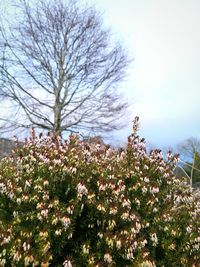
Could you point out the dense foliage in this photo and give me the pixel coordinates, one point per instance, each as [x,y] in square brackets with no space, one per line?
[74,203]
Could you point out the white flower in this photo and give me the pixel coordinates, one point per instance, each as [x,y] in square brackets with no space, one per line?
[2,187]
[107,258]
[102,187]
[55,221]
[100,235]
[100,207]
[125,216]
[129,255]
[113,210]
[44,213]
[155,209]
[91,260]
[70,209]
[189,229]
[16,256]
[70,236]
[111,224]
[2,262]
[118,244]
[148,264]
[126,203]
[46,183]
[66,221]
[91,196]
[67,263]
[138,226]
[133,230]
[134,245]
[172,246]
[43,234]
[73,170]
[144,189]
[166,228]
[26,246]
[144,242]
[154,189]
[109,241]
[18,200]
[81,190]
[6,240]
[154,238]
[27,184]
[137,201]
[58,232]
[86,249]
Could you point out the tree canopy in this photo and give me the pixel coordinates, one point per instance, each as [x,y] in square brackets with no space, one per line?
[60,68]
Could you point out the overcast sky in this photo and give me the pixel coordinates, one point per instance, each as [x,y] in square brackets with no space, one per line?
[163,37]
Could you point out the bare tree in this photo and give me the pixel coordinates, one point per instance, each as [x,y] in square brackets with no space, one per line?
[189,147]
[190,150]
[60,69]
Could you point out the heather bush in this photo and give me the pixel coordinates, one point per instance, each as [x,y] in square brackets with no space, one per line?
[72,203]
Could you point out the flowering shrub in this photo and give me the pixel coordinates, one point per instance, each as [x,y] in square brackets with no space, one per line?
[75,204]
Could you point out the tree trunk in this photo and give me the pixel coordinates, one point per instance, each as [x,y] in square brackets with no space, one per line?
[57,120]
[192,170]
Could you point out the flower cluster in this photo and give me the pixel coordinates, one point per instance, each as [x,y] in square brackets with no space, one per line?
[72,203]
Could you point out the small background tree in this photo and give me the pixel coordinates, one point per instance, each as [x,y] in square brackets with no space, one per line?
[190,153]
